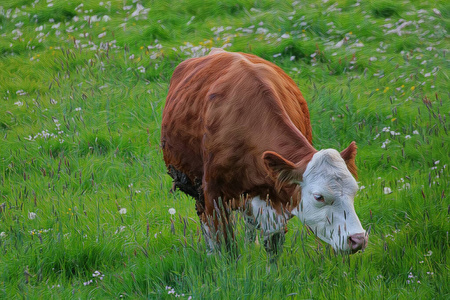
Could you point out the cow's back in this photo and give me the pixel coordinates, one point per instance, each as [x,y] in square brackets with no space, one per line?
[219,116]
[182,125]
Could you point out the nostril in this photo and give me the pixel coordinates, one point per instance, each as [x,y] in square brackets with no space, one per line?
[357,241]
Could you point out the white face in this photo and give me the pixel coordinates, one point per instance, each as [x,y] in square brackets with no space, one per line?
[328,190]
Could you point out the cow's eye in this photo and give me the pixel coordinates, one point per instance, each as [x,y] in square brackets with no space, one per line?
[318,197]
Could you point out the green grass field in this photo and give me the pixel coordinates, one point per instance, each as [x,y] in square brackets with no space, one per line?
[84,192]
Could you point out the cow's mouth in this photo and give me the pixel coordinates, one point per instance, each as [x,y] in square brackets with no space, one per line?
[355,242]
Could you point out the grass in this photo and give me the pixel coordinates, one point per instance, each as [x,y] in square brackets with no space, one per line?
[83,187]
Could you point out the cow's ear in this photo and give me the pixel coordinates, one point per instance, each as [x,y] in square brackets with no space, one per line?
[349,155]
[280,169]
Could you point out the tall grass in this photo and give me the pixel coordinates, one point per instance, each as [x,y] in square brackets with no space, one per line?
[84,195]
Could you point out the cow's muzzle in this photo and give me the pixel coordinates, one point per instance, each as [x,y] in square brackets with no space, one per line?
[358,241]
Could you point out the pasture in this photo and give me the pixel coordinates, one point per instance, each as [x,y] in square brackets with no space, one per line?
[85,208]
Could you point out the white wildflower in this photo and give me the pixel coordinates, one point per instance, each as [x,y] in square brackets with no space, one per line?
[140,10]
[172,211]
[387,190]
[190,21]
[429,253]
[261,30]
[385,143]
[120,229]
[340,43]
[32,215]
[398,30]
[122,211]
[2,234]
[88,282]
[96,273]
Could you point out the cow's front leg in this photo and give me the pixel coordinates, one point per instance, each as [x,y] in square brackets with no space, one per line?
[250,222]
[250,228]
[272,225]
[273,243]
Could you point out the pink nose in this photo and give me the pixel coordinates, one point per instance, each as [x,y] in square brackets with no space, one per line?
[358,241]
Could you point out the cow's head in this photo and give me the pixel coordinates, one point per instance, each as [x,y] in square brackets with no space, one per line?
[327,194]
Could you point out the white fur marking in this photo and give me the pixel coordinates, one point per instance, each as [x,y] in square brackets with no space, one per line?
[335,219]
[266,217]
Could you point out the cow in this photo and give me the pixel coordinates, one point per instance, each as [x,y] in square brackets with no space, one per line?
[236,134]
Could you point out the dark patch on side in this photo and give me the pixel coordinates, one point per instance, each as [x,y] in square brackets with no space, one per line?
[193,189]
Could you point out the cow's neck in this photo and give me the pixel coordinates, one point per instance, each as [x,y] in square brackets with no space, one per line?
[290,143]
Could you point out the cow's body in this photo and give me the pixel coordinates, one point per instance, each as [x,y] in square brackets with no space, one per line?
[237,127]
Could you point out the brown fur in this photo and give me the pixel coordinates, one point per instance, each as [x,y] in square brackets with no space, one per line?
[223,112]
[349,155]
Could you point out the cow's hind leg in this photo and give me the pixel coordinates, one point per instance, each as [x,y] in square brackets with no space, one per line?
[216,225]
[209,232]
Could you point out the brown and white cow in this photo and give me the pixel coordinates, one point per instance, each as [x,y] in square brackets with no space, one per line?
[236,132]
